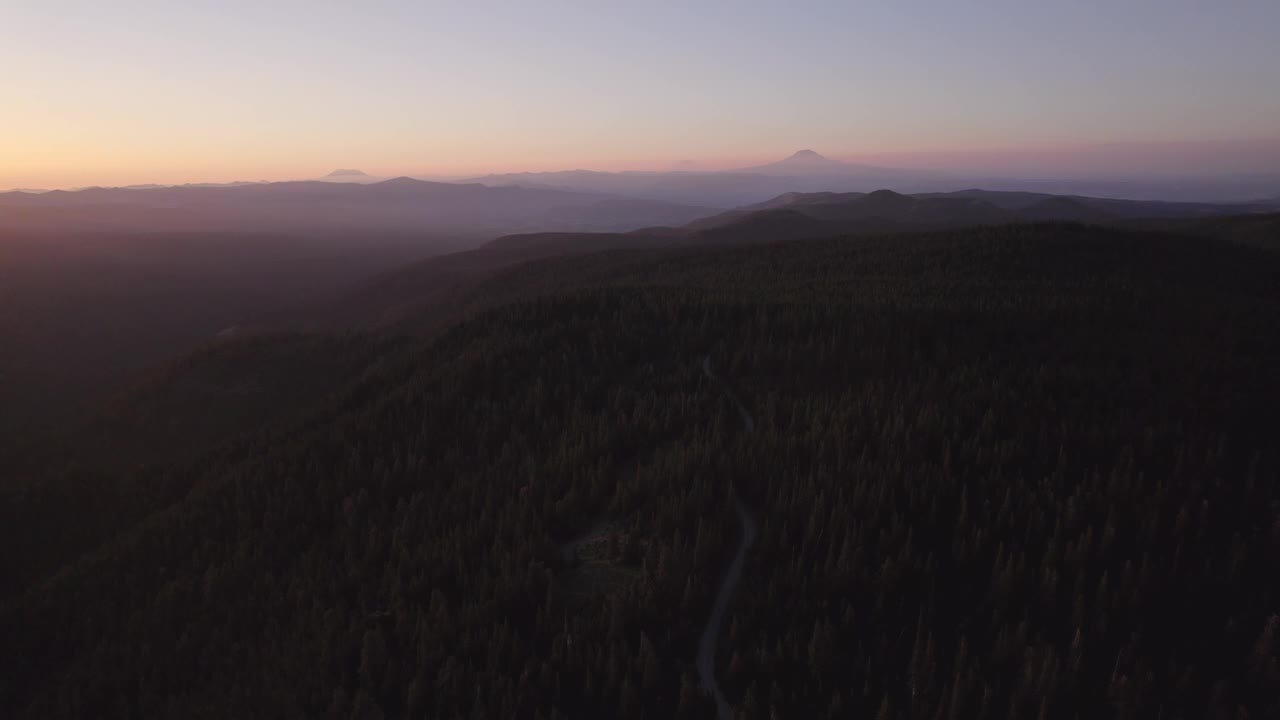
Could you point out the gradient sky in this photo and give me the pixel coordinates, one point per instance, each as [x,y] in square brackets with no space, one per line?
[129,92]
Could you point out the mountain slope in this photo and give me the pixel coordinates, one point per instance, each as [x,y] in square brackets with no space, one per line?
[122,455]
[83,312]
[432,293]
[984,448]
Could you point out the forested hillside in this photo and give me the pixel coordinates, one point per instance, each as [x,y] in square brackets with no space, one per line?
[1022,471]
[67,492]
[1259,229]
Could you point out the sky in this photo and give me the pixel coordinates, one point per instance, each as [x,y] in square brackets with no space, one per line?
[133,92]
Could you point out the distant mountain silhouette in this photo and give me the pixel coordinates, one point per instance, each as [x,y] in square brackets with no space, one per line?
[399,204]
[236,183]
[809,171]
[351,175]
[804,161]
[803,171]
[434,292]
[146,186]
[807,162]
[410,294]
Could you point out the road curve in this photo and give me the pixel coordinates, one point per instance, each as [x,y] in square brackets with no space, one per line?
[711,633]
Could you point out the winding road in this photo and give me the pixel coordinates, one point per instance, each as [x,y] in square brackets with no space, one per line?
[711,634]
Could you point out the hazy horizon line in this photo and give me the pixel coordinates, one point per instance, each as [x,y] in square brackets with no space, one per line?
[1136,160]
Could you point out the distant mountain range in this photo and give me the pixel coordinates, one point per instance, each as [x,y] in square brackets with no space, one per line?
[809,171]
[351,175]
[803,195]
[432,292]
[804,163]
[804,171]
[799,215]
[399,204]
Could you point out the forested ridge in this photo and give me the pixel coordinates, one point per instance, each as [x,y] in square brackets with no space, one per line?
[1024,471]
